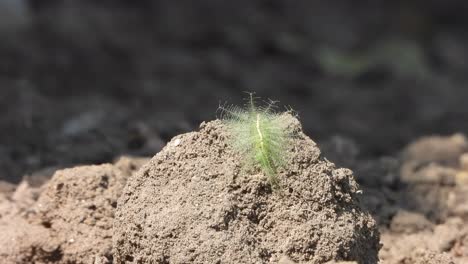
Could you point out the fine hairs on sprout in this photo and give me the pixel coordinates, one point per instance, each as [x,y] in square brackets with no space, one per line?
[260,134]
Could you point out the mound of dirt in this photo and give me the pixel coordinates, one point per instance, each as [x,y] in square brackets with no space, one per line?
[69,220]
[433,243]
[435,172]
[431,228]
[194,203]
[21,241]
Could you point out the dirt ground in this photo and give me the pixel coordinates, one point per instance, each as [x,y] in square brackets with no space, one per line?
[84,83]
[211,210]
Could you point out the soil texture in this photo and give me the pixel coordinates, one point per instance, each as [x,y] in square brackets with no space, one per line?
[380,87]
[68,220]
[193,203]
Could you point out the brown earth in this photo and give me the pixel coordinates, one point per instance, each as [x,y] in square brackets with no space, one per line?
[85,81]
[192,203]
[69,217]
[424,220]
[68,220]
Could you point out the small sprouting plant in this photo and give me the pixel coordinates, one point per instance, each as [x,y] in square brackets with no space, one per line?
[260,135]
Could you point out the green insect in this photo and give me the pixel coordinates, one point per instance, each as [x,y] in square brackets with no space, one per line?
[260,135]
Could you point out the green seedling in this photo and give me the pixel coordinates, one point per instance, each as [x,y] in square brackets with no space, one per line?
[260,135]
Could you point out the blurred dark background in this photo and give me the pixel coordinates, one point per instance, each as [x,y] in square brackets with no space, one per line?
[84,81]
